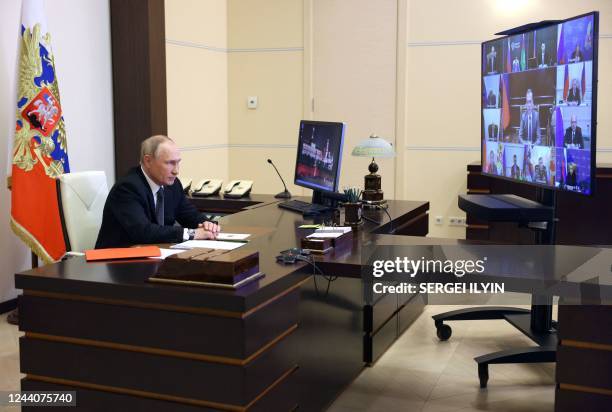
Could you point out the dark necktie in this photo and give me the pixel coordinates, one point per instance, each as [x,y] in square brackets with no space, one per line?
[529,127]
[159,206]
[573,131]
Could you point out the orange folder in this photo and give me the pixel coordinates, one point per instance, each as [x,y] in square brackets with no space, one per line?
[122,253]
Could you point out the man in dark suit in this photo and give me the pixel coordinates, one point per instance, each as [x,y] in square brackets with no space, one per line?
[143,206]
[491,60]
[571,178]
[529,128]
[573,135]
[543,56]
[491,99]
[573,94]
[492,166]
[493,131]
[576,55]
[541,175]
[515,170]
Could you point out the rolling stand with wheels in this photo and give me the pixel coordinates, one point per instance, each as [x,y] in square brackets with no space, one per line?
[536,323]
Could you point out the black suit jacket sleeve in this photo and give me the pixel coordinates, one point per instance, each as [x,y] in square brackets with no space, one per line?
[130,211]
[186,213]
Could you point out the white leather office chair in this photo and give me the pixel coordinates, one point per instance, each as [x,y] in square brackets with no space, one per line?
[82,196]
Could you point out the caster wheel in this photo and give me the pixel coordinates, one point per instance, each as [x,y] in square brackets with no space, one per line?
[444,332]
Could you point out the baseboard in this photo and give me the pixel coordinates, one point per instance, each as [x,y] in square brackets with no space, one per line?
[8,306]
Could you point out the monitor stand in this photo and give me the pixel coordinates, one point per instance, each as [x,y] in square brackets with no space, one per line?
[327,199]
[536,323]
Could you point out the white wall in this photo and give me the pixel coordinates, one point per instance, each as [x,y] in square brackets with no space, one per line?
[80,39]
[196,74]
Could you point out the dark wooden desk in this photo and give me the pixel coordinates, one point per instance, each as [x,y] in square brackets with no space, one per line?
[284,341]
[221,205]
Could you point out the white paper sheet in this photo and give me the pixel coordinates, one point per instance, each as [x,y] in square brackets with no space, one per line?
[232,236]
[334,229]
[166,252]
[212,244]
[324,235]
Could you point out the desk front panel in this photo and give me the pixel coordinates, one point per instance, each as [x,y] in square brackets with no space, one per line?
[121,336]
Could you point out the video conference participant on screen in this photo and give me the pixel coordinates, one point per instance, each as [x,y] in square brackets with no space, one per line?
[491,99]
[571,178]
[573,95]
[492,60]
[573,135]
[541,175]
[515,170]
[493,132]
[492,166]
[544,59]
[529,128]
[576,55]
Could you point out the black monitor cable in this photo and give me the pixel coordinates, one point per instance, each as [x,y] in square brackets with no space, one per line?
[376,222]
[316,269]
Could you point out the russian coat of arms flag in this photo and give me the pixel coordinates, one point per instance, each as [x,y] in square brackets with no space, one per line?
[40,153]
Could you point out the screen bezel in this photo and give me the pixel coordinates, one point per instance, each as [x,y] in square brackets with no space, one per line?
[595,15]
[311,186]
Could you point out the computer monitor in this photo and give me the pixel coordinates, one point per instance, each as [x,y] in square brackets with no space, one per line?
[319,154]
[539,105]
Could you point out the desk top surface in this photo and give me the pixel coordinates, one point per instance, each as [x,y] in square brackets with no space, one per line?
[273,230]
[575,270]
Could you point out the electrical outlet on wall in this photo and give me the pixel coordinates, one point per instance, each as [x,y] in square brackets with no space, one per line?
[456,221]
[439,220]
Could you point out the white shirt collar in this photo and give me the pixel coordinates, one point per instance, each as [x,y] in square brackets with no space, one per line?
[154,186]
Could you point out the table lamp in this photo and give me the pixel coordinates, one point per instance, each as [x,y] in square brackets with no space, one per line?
[373,146]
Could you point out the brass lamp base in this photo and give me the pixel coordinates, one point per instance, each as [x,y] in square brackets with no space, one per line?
[374,204]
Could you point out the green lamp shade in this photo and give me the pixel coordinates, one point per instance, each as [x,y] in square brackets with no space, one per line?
[374,146]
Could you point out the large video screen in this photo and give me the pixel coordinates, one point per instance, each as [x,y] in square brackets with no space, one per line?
[539,92]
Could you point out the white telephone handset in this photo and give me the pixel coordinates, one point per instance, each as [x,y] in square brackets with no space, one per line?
[207,187]
[238,188]
[186,183]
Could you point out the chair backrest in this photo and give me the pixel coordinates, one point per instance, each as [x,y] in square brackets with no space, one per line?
[82,198]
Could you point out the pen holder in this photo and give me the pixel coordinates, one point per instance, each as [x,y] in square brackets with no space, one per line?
[352,214]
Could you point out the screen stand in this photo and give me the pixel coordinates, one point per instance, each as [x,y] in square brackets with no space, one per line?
[536,323]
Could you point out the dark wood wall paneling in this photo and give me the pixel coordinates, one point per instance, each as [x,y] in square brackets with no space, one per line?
[139,76]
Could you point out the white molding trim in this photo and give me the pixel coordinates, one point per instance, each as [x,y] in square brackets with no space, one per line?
[182,43]
[465,42]
[262,145]
[444,43]
[470,149]
[196,45]
[443,148]
[203,147]
[267,50]
[238,146]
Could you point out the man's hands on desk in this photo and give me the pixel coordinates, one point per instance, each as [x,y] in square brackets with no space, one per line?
[207,230]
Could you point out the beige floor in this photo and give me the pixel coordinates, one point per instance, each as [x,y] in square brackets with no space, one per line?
[418,373]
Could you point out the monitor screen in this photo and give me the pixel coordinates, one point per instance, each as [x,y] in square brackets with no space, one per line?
[539,92]
[319,153]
